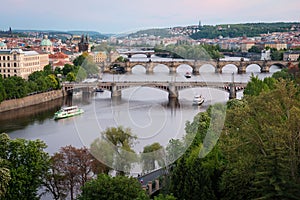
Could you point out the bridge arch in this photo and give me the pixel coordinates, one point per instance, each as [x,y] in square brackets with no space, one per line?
[206,67]
[253,68]
[139,68]
[160,68]
[183,68]
[278,64]
[229,68]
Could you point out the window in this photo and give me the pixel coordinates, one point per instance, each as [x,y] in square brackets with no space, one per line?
[8,57]
[4,65]
[15,56]
[15,64]
[8,70]
[0,64]
[3,57]
[15,70]
[8,64]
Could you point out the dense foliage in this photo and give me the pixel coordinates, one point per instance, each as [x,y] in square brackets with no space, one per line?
[239,30]
[26,162]
[40,81]
[257,154]
[111,188]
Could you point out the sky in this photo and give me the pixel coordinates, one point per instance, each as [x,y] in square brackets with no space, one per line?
[124,16]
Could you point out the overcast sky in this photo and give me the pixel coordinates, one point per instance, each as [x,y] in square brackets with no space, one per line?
[123,16]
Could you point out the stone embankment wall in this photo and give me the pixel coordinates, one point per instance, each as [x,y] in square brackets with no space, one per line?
[30,100]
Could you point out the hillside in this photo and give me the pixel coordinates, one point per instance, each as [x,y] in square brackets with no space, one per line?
[239,30]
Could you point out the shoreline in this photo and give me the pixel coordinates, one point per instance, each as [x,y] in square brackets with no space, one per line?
[36,99]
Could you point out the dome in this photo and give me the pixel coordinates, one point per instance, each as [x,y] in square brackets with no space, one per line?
[46,41]
[2,44]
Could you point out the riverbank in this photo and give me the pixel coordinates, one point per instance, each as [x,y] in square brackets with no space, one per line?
[30,100]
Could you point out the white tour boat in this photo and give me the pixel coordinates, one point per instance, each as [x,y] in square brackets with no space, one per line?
[68,112]
[198,100]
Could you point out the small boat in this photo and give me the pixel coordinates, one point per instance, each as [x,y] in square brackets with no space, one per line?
[198,100]
[188,75]
[68,112]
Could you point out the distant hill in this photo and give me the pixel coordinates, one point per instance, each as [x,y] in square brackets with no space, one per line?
[162,32]
[52,33]
[92,34]
[247,29]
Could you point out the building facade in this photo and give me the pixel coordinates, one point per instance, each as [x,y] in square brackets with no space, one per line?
[15,62]
[291,55]
[84,44]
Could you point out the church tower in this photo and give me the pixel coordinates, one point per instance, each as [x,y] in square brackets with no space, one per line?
[84,44]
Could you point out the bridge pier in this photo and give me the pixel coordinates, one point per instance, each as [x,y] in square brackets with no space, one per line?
[265,68]
[114,91]
[195,71]
[173,93]
[218,68]
[149,68]
[172,70]
[232,91]
[242,67]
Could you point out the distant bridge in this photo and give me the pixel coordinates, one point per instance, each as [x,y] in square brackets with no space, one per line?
[197,64]
[171,87]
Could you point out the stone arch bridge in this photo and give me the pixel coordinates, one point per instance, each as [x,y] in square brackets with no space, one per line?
[171,87]
[195,65]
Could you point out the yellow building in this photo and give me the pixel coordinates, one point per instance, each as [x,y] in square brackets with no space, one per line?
[245,46]
[276,45]
[99,57]
[15,62]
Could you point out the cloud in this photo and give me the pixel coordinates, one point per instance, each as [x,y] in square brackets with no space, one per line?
[115,15]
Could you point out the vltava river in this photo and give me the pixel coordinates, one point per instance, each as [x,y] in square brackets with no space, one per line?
[144,110]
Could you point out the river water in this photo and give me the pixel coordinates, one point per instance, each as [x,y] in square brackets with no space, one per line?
[144,110]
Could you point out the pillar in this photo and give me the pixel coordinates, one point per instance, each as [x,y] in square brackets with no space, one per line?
[232,91]
[172,69]
[265,68]
[150,187]
[156,184]
[218,69]
[173,93]
[242,68]
[149,68]
[114,91]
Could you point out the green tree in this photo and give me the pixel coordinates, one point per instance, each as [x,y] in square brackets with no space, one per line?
[111,188]
[255,86]
[175,149]
[261,146]
[27,163]
[255,49]
[166,197]
[2,89]
[70,169]
[118,142]
[4,177]
[71,77]
[202,164]
[47,70]
[152,154]
[15,87]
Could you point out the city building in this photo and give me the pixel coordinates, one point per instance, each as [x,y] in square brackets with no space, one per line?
[3,45]
[291,55]
[46,45]
[245,46]
[99,57]
[16,62]
[266,54]
[84,44]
